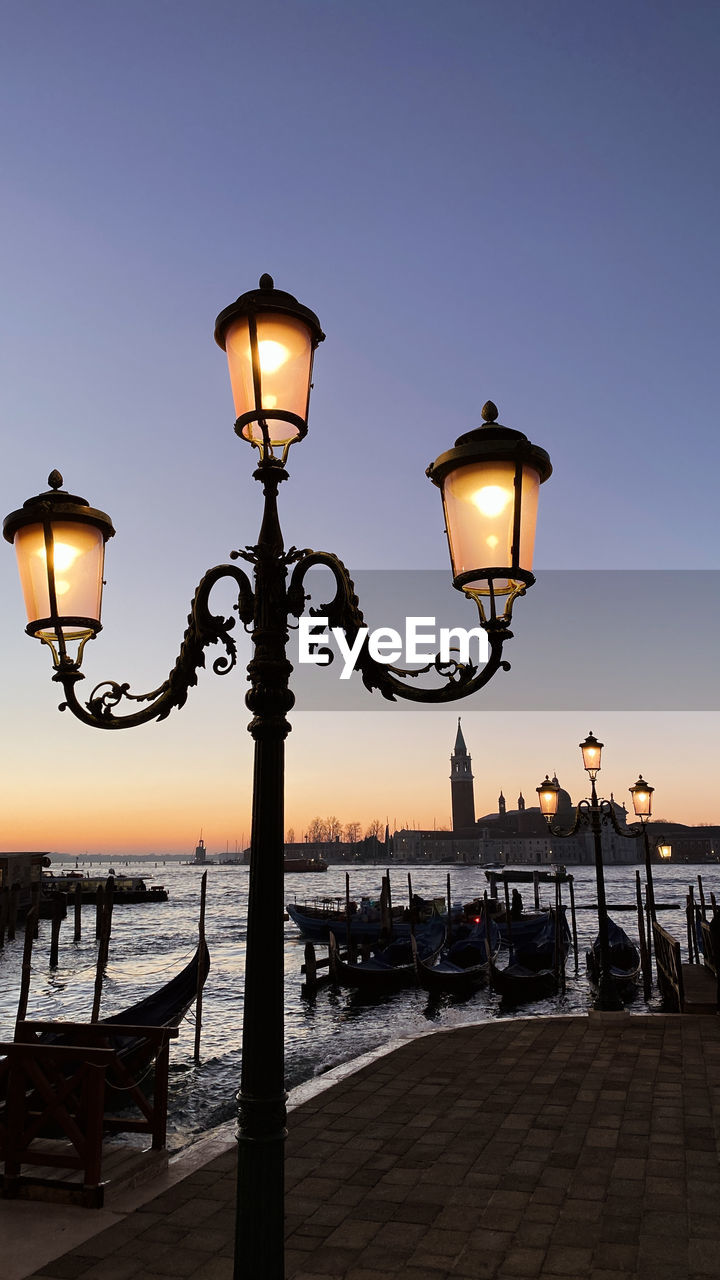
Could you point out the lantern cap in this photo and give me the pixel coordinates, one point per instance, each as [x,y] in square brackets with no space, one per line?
[641,785]
[56,504]
[549,784]
[492,442]
[266,298]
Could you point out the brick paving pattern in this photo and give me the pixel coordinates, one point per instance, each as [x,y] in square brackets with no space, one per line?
[581,1148]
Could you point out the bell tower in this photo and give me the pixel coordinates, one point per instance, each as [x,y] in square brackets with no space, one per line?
[461,785]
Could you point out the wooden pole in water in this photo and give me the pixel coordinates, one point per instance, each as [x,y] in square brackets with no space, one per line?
[559,947]
[410,906]
[573,919]
[58,911]
[389,904]
[644,958]
[449,912]
[536,889]
[348,925]
[103,948]
[4,903]
[507,918]
[35,888]
[703,909]
[77,896]
[30,922]
[99,900]
[13,909]
[201,968]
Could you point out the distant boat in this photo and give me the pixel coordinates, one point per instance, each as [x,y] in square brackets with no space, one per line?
[304,864]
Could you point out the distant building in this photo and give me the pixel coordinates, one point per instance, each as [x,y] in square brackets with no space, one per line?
[508,835]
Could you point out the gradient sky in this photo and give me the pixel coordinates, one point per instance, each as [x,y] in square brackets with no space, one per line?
[503,200]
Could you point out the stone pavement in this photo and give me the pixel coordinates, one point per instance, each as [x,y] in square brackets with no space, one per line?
[582,1147]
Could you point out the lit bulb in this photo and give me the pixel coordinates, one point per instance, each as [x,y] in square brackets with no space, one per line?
[272,355]
[492,541]
[491,500]
[64,555]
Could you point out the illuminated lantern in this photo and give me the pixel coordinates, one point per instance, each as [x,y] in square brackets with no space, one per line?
[642,795]
[60,546]
[490,484]
[548,793]
[591,752]
[270,339]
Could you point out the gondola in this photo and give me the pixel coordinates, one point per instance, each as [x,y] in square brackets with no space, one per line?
[165,1007]
[516,984]
[535,947]
[464,966]
[390,967]
[317,920]
[625,966]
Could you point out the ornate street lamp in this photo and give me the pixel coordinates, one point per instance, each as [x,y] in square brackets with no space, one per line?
[665,852]
[593,813]
[489,482]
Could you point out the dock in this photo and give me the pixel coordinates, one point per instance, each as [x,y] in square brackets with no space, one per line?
[539,1147]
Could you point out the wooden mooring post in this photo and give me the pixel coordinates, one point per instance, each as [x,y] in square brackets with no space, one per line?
[26,971]
[77,902]
[103,948]
[199,993]
[59,911]
[644,957]
[13,909]
[573,920]
[4,909]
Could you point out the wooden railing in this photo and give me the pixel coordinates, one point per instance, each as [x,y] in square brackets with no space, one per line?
[65,1091]
[709,957]
[669,966]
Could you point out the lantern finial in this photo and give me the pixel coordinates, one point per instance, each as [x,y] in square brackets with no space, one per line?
[489,411]
[55,479]
[266,281]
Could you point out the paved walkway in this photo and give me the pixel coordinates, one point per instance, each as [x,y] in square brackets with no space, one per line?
[558,1147]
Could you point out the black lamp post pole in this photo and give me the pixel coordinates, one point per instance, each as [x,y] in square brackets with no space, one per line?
[607,995]
[648,873]
[259,1238]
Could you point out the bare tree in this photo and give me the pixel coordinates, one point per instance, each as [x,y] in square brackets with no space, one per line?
[334,828]
[352,832]
[374,828]
[290,839]
[316,831]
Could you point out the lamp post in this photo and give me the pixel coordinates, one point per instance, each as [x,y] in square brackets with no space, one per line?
[591,813]
[489,483]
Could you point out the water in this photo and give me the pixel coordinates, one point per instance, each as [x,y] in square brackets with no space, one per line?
[151,942]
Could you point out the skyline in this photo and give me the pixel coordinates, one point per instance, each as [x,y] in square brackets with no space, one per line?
[484,202]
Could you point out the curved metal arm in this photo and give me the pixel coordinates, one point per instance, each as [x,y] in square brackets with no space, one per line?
[607,813]
[204,629]
[344,611]
[583,818]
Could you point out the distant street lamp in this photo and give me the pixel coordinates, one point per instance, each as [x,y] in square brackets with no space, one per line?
[489,483]
[665,852]
[593,813]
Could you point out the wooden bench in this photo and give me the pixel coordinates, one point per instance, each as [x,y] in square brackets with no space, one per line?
[62,1090]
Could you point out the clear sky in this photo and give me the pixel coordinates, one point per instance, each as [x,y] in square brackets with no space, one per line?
[504,200]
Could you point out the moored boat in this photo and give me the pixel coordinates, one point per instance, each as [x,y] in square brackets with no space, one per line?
[391,966]
[625,964]
[464,965]
[318,918]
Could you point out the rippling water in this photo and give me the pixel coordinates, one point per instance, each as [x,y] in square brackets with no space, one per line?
[151,942]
